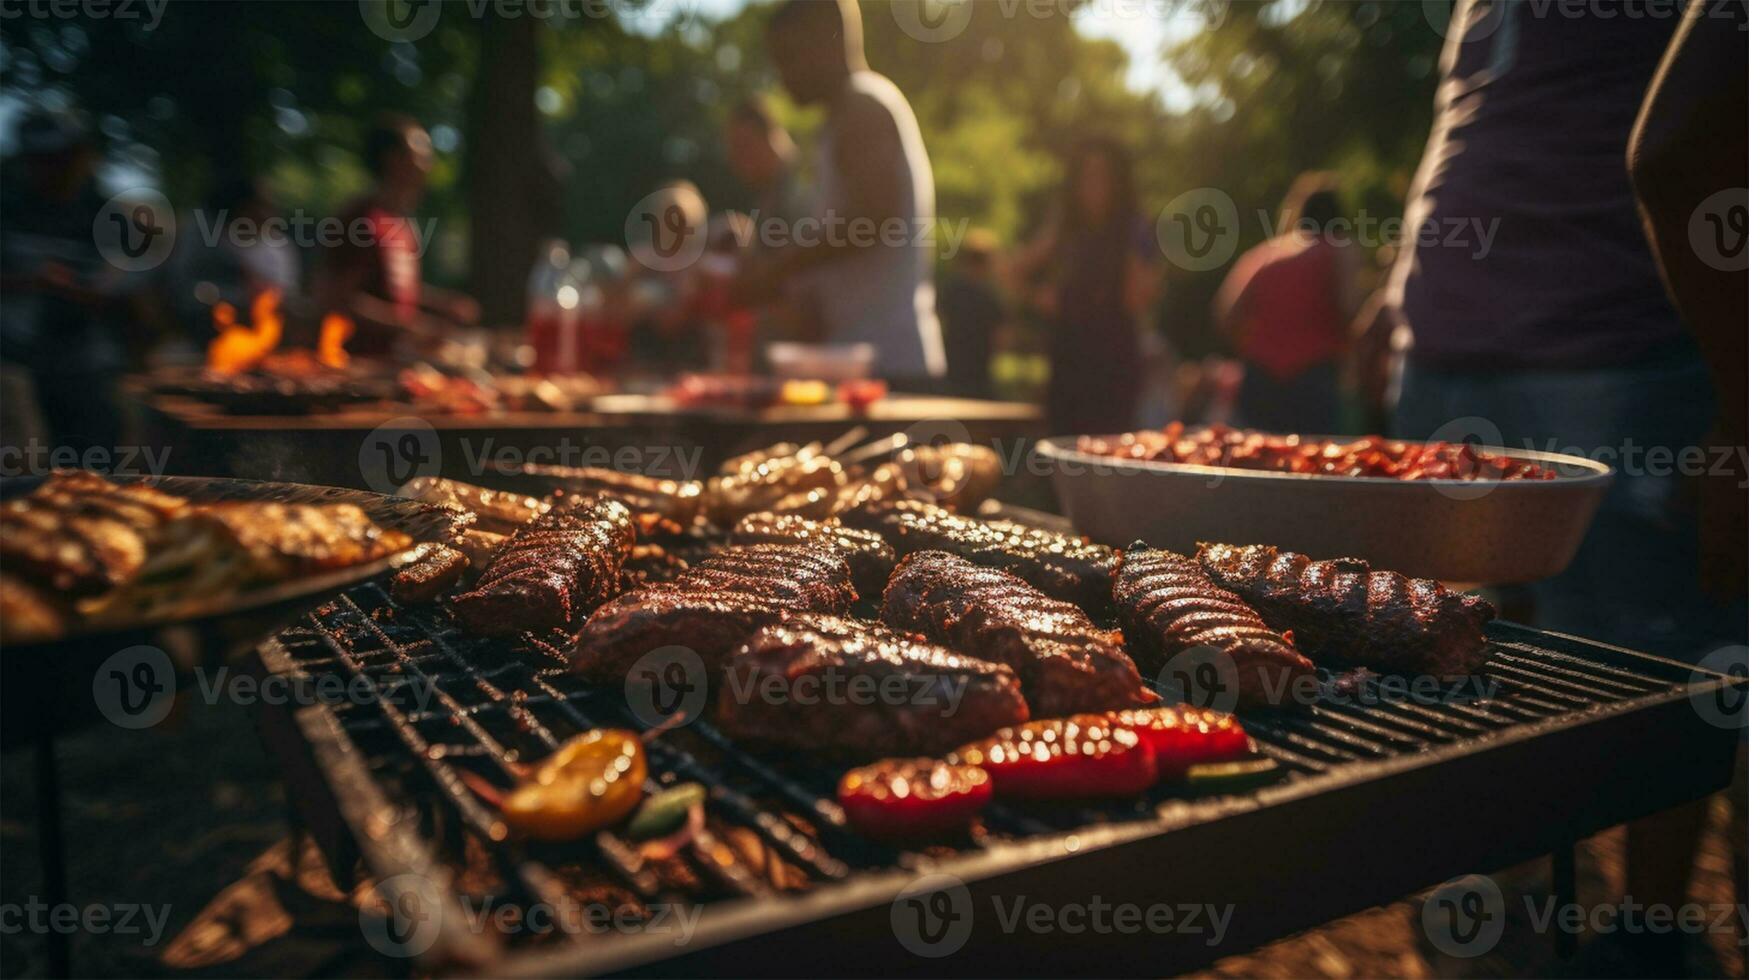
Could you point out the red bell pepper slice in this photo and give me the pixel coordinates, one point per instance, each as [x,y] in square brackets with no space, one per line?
[898,799]
[1185,736]
[1064,758]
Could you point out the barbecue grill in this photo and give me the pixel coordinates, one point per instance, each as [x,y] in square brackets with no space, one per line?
[1385,795]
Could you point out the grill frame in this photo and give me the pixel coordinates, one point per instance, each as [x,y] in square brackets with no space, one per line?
[1314,848]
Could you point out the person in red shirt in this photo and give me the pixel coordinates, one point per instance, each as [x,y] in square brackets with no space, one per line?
[1286,307]
[373,275]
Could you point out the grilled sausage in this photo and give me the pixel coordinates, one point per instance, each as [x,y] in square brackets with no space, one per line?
[1065,663]
[552,571]
[1167,604]
[1343,611]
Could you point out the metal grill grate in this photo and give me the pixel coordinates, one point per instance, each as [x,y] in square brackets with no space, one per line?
[452,710]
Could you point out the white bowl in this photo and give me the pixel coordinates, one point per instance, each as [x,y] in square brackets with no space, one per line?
[1473,532]
[820,362]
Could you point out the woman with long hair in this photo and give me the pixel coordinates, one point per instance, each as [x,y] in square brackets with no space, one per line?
[1092,278]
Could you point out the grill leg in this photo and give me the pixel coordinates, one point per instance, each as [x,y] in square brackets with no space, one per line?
[51,852]
[1564,883]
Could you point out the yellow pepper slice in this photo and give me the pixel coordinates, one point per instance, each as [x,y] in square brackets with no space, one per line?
[593,781]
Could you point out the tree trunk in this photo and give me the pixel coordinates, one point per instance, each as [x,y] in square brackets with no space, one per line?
[506,180]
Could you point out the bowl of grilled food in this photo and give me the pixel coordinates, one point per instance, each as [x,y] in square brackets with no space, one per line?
[1454,512]
[87,555]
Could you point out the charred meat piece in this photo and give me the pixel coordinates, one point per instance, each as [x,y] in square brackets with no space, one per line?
[1167,604]
[871,558]
[434,570]
[80,534]
[654,502]
[712,607]
[1065,663]
[552,571]
[1344,611]
[1060,566]
[855,689]
[498,511]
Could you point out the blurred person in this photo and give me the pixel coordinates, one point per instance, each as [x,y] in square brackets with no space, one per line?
[972,312]
[1094,257]
[375,278]
[1559,334]
[763,158]
[1285,309]
[68,317]
[865,266]
[236,265]
[1690,106]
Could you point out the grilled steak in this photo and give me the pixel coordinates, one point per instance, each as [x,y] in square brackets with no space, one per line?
[1167,604]
[435,570]
[850,688]
[552,571]
[1344,611]
[654,502]
[871,558]
[1065,663]
[712,607]
[1058,565]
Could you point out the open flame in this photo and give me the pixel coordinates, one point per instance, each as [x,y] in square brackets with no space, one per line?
[241,347]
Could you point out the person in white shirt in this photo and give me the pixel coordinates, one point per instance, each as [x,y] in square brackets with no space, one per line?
[863,261]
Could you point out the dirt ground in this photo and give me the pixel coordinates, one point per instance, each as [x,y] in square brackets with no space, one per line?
[190,815]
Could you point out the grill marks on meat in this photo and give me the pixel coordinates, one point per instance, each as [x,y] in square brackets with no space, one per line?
[552,571]
[79,534]
[1059,565]
[1167,604]
[1343,610]
[712,607]
[930,699]
[435,570]
[871,559]
[1066,664]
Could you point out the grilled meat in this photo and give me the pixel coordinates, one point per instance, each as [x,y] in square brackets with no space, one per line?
[712,607]
[1344,611]
[1167,604]
[434,570]
[497,510]
[871,558]
[759,482]
[552,571]
[654,502]
[1058,565]
[650,563]
[1065,663]
[286,540]
[28,613]
[79,534]
[957,475]
[849,688]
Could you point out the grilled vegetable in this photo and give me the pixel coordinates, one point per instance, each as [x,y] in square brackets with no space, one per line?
[1184,737]
[665,812]
[593,781]
[1064,758]
[1232,777]
[900,799]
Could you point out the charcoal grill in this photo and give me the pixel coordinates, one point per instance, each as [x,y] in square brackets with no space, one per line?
[1384,795]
